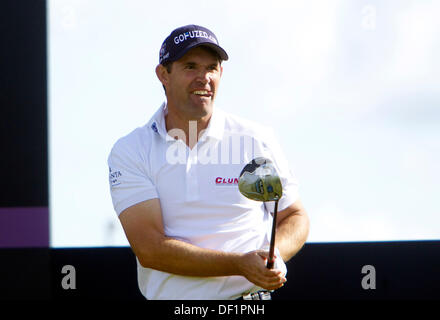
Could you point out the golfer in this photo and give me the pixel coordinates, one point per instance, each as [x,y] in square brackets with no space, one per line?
[174,186]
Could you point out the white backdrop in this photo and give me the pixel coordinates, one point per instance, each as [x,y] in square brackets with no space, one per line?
[350,87]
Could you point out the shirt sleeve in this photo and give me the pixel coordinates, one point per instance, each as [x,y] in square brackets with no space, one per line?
[128,179]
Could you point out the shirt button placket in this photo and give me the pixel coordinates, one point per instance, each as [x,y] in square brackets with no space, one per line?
[192,187]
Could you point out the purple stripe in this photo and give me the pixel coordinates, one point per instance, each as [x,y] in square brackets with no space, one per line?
[24,227]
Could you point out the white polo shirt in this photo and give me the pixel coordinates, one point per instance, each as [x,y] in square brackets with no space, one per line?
[199,196]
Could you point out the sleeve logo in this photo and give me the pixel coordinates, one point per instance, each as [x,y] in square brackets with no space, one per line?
[113,177]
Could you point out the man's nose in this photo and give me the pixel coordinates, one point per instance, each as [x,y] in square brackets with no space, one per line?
[204,77]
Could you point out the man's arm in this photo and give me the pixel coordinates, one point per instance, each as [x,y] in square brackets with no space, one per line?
[292,230]
[143,227]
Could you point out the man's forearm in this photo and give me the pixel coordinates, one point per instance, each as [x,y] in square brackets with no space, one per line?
[182,258]
[291,234]
[143,226]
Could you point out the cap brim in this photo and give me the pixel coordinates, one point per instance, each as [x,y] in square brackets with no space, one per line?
[221,52]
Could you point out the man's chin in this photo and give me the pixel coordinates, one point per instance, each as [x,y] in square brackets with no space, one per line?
[202,109]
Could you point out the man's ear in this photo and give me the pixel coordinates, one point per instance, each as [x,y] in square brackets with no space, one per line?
[162,74]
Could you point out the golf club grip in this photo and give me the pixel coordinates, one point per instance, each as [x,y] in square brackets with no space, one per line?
[271,259]
[270,264]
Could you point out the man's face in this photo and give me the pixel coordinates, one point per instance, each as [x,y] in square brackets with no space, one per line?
[192,84]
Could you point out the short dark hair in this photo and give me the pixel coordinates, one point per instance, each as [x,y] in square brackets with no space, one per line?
[168,65]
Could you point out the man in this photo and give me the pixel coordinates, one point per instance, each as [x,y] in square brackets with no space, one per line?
[174,187]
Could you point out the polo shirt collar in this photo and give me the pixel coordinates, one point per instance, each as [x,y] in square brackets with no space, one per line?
[214,130]
[158,122]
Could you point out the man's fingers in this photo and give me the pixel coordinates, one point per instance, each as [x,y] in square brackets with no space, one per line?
[265,254]
[256,271]
[274,284]
[271,279]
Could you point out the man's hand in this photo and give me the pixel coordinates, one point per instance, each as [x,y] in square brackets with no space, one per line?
[252,266]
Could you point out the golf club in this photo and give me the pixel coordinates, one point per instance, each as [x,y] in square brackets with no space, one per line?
[260,181]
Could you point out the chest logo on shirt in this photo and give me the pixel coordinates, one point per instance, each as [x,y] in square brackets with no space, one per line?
[221,181]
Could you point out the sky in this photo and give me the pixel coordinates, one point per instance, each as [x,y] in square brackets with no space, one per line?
[351,90]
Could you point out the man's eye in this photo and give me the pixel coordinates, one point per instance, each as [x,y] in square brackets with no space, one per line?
[189,67]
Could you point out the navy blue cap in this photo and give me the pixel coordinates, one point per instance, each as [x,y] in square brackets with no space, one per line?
[181,40]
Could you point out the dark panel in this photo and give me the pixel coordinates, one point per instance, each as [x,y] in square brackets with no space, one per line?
[404,270]
[25,274]
[23,99]
[100,273]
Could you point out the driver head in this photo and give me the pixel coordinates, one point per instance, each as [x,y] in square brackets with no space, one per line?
[260,181]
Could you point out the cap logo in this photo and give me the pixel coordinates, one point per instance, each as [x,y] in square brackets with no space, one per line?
[194,34]
[185,38]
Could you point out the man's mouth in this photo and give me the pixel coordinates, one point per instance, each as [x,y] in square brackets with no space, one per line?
[203,93]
